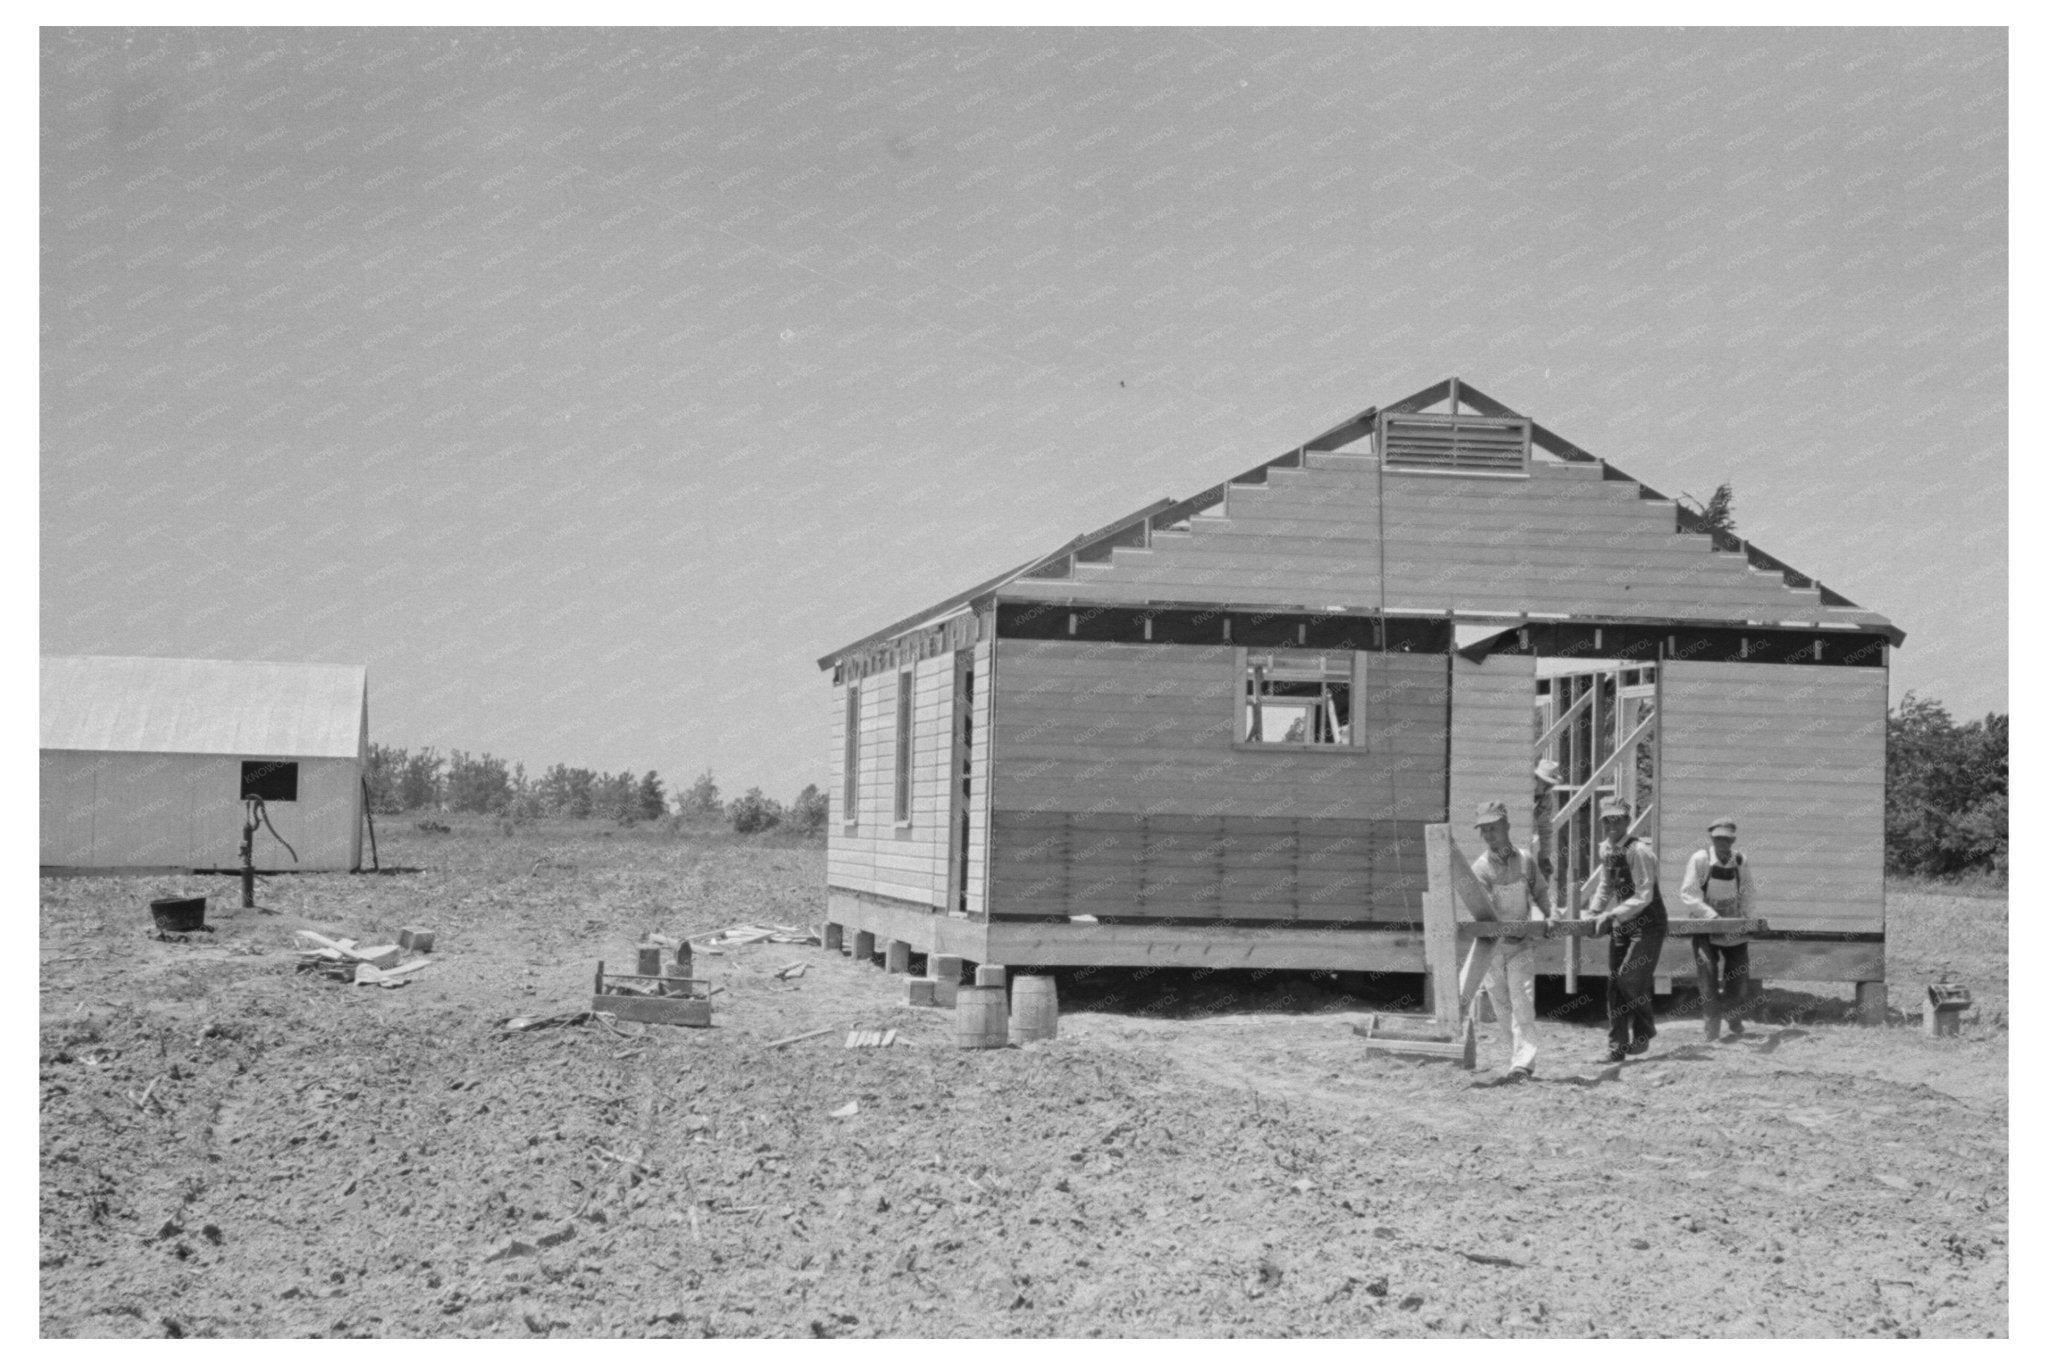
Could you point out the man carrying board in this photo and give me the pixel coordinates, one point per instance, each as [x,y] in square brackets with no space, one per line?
[1520,893]
[1718,885]
[1628,905]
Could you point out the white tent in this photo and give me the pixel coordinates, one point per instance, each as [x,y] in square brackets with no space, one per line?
[145,762]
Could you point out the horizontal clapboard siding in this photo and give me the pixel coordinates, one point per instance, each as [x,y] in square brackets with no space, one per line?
[1794,754]
[1558,541]
[979,750]
[877,854]
[1168,867]
[1146,729]
[1117,792]
[1492,755]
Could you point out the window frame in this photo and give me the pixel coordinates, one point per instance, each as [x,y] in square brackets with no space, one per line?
[906,732]
[849,815]
[1240,719]
[276,771]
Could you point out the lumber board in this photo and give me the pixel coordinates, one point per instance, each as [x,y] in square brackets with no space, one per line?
[1219,946]
[655,1009]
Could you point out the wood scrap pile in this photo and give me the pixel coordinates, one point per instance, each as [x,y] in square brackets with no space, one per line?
[871,1037]
[341,959]
[739,934]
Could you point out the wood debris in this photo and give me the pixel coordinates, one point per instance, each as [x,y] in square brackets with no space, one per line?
[871,1037]
[758,933]
[801,1037]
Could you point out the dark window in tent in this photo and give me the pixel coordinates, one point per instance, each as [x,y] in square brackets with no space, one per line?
[272,779]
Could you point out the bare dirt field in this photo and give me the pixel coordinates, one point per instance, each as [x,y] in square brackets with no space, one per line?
[232,1148]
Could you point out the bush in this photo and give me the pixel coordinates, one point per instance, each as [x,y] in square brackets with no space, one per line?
[811,809]
[753,813]
[1945,804]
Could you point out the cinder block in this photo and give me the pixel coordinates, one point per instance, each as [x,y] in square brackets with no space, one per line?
[863,945]
[835,937]
[897,955]
[384,956]
[414,939]
[650,959]
[989,975]
[919,990]
[944,971]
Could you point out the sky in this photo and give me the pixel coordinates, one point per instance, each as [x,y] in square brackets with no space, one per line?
[589,385]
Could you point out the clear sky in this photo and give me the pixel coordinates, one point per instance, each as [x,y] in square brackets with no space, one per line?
[589,385]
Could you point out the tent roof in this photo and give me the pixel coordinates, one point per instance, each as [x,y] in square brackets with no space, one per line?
[203,706]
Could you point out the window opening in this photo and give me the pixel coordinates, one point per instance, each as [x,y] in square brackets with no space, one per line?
[904,703]
[849,804]
[270,779]
[1298,698]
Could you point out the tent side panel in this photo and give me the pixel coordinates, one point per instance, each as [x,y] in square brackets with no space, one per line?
[144,815]
[1794,754]
[185,810]
[321,826]
[67,797]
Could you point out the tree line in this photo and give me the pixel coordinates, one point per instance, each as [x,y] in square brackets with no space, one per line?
[400,781]
[1944,791]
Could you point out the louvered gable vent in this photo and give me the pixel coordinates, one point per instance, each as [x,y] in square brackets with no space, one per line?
[1464,444]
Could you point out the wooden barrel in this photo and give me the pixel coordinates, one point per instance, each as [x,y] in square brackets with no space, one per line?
[1034,1008]
[980,1018]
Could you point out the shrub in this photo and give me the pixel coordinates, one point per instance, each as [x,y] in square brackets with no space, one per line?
[753,813]
[811,809]
[1945,807]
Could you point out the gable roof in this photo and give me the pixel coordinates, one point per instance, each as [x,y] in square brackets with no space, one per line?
[203,706]
[1802,596]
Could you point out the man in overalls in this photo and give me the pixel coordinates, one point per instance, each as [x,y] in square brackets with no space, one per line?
[1519,893]
[1628,905]
[1718,885]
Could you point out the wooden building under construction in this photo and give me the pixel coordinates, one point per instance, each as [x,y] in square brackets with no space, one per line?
[1211,733]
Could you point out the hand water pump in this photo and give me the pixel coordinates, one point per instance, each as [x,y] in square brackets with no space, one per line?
[254,815]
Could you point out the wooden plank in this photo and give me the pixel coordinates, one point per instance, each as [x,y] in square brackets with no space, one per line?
[1220,946]
[651,1009]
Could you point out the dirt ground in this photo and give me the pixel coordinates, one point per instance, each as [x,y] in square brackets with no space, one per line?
[230,1148]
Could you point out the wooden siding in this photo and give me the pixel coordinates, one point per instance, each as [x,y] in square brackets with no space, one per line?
[1146,730]
[1207,867]
[1492,703]
[108,810]
[1794,754]
[1563,540]
[879,854]
[1118,791]
[978,795]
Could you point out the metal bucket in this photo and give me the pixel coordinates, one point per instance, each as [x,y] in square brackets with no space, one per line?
[179,914]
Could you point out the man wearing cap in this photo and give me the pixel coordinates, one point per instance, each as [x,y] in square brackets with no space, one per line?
[1628,905]
[1520,893]
[1718,885]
